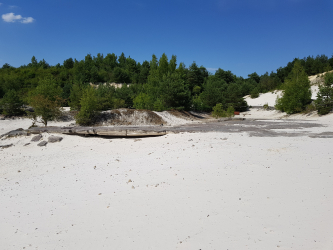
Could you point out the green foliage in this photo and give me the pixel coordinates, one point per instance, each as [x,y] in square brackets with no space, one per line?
[143,101]
[218,91]
[46,101]
[214,92]
[89,107]
[69,63]
[44,108]
[310,108]
[324,102]
[166,87]
[254,76]
[163,66]
[11,103]
[226,76]
[121,75]
[118,103]
[198,104]
[75,96]
[230,111]
[196,76]
[218,111]
[159,84]
[269,82]
[159,105]
[196,90]
[297,91]
[234,97]
[106,96]
[173,92]
[6,66]
[254,93]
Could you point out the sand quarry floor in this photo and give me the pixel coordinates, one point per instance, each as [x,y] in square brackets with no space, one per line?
[253,184]
[262,183]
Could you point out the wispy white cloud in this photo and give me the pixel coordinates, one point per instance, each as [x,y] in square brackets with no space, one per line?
[27,20]
[12,6]
[12,18]
[0,4]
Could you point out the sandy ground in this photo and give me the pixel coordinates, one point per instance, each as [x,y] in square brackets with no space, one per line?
[214,190]
[270,97]
[179,191]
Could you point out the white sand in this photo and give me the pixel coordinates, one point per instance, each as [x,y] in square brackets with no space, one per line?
[179,191]
[25,123]
[270,97]
[187,191]
[172,120]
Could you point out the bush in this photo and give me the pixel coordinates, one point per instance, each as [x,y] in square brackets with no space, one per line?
[11,103]
[143,101]
[75,96]
[198,104]
[297,91]
[46,101]
[89,107]
[230,111]
[266,107]
[46,109]
[118,103]
[218,111]
[254,93]
[309,108]
[159,105]
[324,102]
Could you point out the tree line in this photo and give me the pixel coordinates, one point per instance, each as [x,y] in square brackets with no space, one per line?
[159,84]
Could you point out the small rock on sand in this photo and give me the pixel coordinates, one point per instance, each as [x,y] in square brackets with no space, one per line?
[53,138]
[37,138]
[6,146]
[42,143]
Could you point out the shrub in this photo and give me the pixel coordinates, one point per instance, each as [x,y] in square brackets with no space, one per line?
[143,101]
[230,111]
[266,107]
[198,104]
[159,105]
[46,109]
[118,103]
[89,107]
[254,93]
[218,111]
[11,103]
[324,102]
[297,91]
[309,108]
[75,96]
[46,101]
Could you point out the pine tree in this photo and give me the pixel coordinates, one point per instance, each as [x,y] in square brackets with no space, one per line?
[324,102]
[297,91]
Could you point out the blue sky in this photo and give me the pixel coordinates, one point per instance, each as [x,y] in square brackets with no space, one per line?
[241,36]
